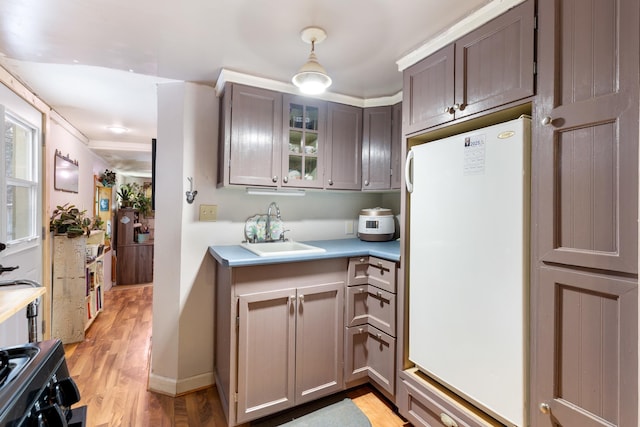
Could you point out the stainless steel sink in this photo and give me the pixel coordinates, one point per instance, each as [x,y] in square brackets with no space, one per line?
[279,248]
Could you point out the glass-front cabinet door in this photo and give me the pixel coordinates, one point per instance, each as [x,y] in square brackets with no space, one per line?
[304,142]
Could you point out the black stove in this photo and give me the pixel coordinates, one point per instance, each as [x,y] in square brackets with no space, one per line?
[36,389]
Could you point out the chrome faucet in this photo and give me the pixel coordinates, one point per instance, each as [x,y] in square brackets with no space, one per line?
[267,232]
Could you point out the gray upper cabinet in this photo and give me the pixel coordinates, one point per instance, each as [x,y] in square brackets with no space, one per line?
[304,141]
[396,146]
[584,286]
[428,91]
[344,147]
[490,67]
[250,144]
[376,148]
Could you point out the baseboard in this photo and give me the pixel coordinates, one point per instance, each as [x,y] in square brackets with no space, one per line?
[173,387]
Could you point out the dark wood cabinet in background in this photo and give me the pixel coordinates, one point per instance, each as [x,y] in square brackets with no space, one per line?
[134,263]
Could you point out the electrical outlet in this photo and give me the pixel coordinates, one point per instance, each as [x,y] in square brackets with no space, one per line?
[208,212]
[348,227]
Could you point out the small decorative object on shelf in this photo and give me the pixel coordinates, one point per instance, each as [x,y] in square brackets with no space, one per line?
[98,223]
[108,178]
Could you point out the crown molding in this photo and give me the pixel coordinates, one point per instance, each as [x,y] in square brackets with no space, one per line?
[227,75]
[459,29]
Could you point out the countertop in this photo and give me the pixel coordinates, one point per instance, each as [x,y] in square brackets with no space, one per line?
[14,300]
[237,256]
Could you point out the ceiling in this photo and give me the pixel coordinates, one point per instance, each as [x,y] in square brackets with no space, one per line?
[97,63]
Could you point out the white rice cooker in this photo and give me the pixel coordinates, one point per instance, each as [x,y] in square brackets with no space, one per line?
[376,225]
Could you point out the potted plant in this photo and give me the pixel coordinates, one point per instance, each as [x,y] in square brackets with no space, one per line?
[142,203]
[108,178]
[126,195]
[70,221]
[98,223]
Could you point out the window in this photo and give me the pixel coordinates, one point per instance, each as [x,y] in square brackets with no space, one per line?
[19,181]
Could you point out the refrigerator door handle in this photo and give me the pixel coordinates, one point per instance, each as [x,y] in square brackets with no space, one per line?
[407,171]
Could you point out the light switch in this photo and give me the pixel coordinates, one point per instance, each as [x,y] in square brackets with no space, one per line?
[208,212]
[348,227]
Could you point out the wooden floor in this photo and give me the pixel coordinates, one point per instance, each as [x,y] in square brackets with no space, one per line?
[111,368]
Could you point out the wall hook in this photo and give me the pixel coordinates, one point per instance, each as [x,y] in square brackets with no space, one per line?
[191,195]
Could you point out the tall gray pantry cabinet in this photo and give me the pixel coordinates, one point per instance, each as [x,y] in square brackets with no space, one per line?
[584,293]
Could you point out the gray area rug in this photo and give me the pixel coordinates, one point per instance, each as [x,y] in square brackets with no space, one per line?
[344,413]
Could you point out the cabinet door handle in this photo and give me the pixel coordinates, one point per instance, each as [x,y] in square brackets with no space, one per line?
[360,291]
[330,182]
[285,179]
[546,121]
[301,298]
[407,171]
[275,178]
[366,182]
[544,408]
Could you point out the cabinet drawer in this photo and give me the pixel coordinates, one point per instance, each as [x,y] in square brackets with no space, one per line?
[370,353]
[430,405]
[368,304]
[374,271]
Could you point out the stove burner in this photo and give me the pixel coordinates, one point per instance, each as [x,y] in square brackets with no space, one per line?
[12,361]
[35,386]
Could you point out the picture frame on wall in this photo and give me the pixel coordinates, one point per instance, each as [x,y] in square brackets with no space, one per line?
[104,205]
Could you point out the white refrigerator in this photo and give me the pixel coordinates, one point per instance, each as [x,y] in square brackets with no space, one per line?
[469,264]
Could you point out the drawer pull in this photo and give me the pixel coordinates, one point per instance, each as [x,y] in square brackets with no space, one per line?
[447,420]
[379,266]
[362,260]
[379,294]
[360,330]
[360,290]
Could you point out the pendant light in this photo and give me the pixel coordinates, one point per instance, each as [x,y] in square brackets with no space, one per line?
[312,78]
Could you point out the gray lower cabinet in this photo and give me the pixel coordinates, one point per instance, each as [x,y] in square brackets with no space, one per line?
[425,403]
[279,336]
[370,325]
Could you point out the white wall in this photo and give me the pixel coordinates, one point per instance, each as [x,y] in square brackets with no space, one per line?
[182,351]
[70,145]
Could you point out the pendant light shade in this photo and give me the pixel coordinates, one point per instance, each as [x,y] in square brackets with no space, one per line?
[312,78]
